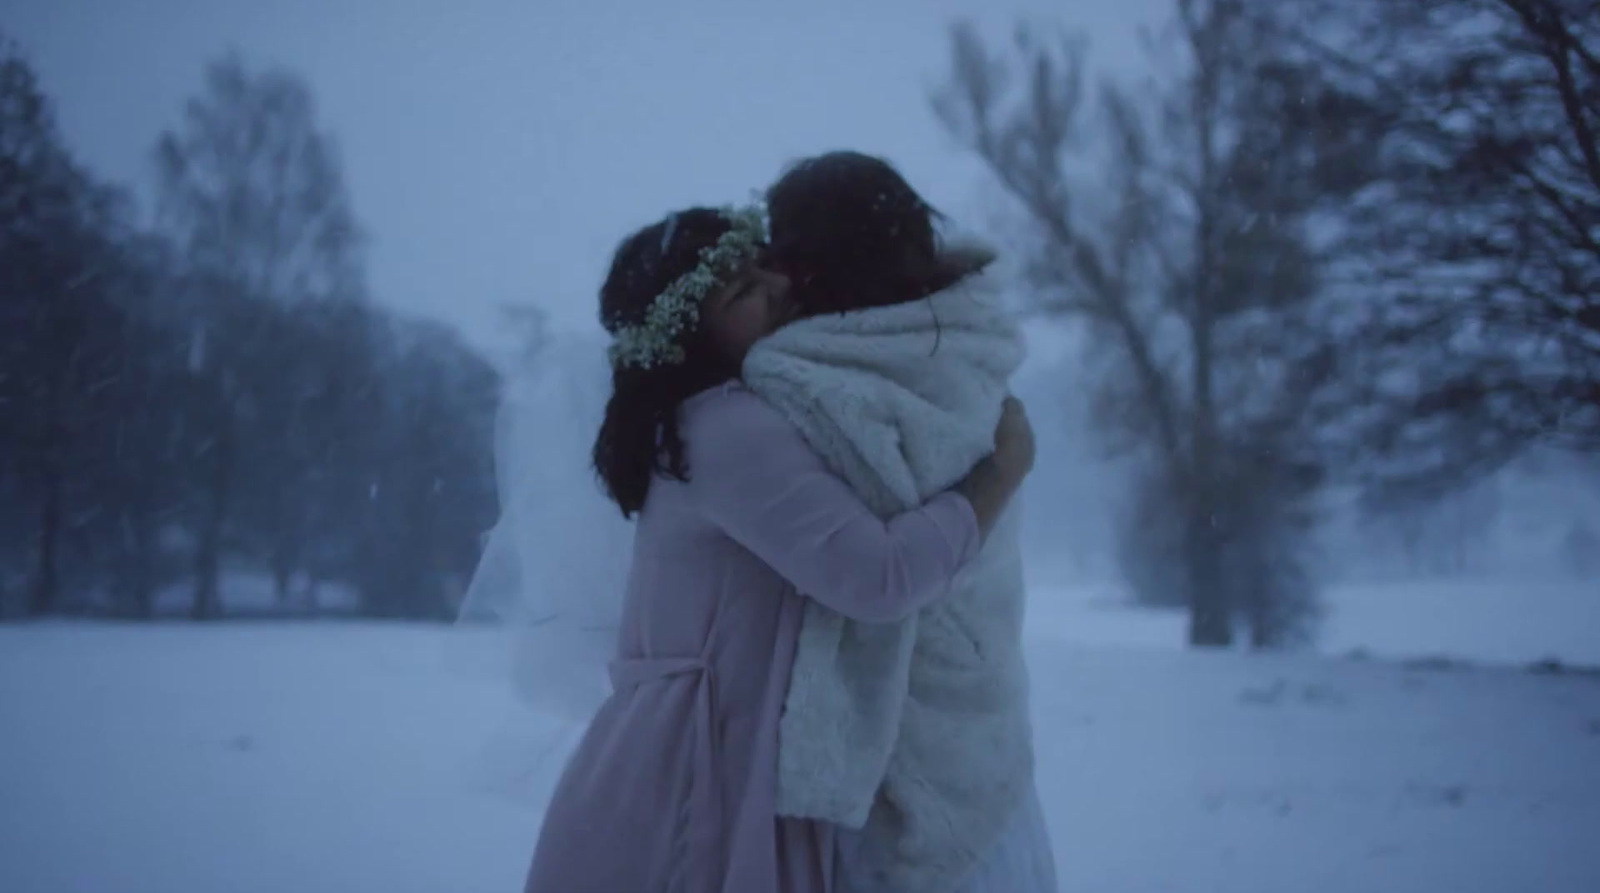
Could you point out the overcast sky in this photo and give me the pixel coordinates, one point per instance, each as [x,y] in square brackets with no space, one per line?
[496,151]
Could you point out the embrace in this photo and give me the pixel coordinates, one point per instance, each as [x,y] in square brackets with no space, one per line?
[818,681]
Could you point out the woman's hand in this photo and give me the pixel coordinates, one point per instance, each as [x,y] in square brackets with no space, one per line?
[1013,439]
[995,479]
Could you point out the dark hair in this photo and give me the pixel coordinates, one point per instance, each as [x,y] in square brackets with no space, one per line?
[850,233]
[638,438]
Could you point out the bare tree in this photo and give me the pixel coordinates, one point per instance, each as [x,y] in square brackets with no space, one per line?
[1194,271]
[253,192]
[1478,252]
[217,386]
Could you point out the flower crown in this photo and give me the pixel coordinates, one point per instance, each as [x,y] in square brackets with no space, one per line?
[654,341]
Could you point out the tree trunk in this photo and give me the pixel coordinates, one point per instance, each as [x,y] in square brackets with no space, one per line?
[47,582]
[46,592]
[282,576]
[208,553]
[207,595]
[1210,609]
[1256,608]
[285,561]
[141,570]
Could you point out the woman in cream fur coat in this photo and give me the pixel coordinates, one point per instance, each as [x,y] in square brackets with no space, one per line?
[913,737]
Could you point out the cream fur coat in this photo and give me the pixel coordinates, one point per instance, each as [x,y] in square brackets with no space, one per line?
[917,733]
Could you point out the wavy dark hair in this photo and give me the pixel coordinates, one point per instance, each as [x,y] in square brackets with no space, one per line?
[638,438]
[851,233]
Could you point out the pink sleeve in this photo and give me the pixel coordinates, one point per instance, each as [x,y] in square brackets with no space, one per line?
[754,476]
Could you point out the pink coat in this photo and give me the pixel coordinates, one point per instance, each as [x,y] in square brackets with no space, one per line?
[672,789]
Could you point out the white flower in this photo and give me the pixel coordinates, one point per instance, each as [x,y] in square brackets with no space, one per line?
[655,340]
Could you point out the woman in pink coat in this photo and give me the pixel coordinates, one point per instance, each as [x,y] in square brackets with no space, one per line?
[737,522]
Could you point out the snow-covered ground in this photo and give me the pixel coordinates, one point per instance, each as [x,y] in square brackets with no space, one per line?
[340,757]
[1510,622]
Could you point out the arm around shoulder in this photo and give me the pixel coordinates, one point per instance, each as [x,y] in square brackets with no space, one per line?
[753,474]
